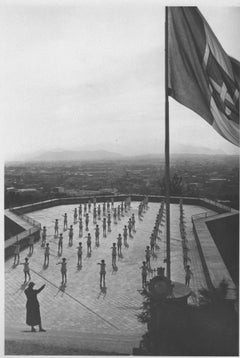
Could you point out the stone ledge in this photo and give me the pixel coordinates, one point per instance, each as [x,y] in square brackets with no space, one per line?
[213,264]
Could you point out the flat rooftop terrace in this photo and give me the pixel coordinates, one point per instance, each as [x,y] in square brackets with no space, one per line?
[81,315]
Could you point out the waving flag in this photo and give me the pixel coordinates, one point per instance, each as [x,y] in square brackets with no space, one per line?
[202,76]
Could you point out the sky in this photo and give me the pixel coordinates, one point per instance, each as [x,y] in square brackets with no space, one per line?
[90,75]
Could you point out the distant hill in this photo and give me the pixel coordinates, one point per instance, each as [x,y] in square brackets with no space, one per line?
[84,154]
[191,149]
[66,155]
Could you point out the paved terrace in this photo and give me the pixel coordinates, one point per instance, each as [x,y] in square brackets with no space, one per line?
[81,315]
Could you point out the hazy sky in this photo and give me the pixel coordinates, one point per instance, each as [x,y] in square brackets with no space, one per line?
[90,74]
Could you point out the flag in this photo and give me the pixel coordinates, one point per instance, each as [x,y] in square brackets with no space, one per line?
[201,75]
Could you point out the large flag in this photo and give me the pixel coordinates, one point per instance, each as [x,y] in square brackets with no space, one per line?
[202,76]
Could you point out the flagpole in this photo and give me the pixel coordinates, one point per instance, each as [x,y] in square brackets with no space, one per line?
[167,160]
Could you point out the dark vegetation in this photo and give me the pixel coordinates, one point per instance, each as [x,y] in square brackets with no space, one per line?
[210,329]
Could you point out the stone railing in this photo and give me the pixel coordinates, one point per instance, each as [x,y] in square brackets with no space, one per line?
[26,218]
[213,205]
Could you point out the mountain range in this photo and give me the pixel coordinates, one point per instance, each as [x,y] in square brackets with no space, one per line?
[95,155]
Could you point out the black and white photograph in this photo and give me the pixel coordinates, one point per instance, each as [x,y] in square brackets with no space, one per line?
[120,150]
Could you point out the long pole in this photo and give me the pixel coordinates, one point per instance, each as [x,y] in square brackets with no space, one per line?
[167,160]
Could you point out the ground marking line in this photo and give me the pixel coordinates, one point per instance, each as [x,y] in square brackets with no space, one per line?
[82,304]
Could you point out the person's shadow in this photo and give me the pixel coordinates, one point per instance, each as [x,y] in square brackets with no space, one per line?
[59,253]
[114,269]
[79,267]
[89,254]
[22,287]
[103,292]
[154,256]
[61,289]
[45,265]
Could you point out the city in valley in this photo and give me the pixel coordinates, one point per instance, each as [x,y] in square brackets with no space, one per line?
[214,177]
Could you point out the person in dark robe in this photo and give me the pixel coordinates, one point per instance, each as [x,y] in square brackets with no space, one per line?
[33,311]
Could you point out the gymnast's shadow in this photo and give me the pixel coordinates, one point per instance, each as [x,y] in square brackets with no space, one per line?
[14,265]
[22,287]
[79,267]
[154,256]
[45,266]
[61,289]
[114,269]
[103,292]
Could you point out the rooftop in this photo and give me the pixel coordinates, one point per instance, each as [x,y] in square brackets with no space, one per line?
[82,307]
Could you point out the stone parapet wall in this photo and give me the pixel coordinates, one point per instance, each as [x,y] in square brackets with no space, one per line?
[215,264]
[210,204]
